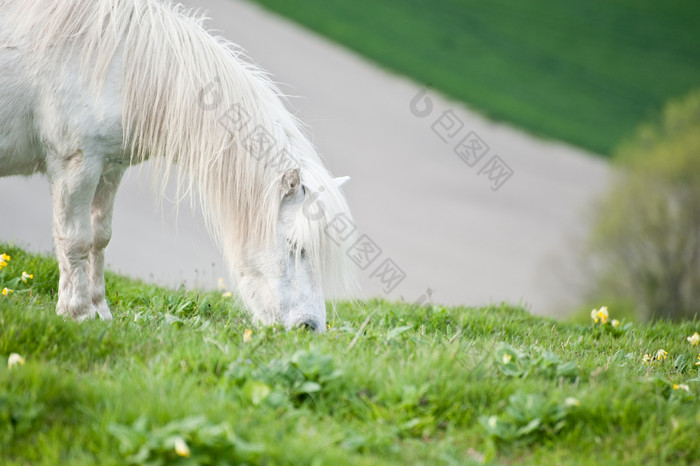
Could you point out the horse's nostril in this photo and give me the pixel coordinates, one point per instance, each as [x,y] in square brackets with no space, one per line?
[309,325]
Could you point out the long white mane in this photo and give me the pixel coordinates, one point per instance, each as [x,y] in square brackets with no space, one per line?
[167,60]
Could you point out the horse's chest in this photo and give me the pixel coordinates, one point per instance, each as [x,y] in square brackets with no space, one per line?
[20,152]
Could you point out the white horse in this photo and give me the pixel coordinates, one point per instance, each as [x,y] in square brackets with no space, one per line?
[89,87]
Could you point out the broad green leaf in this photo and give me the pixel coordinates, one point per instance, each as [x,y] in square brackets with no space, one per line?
[256,391]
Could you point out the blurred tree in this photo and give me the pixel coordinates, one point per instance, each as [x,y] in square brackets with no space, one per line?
[646,242]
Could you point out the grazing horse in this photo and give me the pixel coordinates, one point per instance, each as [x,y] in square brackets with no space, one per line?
[90,87]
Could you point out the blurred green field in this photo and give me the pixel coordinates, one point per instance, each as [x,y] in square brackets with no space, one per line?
[583,72]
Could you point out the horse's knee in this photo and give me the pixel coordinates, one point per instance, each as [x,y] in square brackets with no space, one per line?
[74,248]
[101,220]
[101,238]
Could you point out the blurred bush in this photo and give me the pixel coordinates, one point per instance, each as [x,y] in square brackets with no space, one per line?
[646,241]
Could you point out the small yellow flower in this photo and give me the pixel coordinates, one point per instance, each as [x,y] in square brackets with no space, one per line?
[603,315]
[181,448]
[6,291]
[571,401]
[647,359]
[222,288]
[594,316]
[615,323]
[661,355]
[694,339]
[27,276]
[698,363]
[681,387]
[506,358]
[247,336]
[4,259]
[14,360]
[493,422]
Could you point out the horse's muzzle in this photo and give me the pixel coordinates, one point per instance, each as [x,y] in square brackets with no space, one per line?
[309,323]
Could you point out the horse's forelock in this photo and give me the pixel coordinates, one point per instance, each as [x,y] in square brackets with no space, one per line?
[315,228]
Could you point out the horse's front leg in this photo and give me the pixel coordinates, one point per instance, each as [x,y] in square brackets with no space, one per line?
[74,178]
[102,208]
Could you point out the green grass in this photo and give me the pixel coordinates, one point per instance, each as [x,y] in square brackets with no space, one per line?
[387,384]
[585,72]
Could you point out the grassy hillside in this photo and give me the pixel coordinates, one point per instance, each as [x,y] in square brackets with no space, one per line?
[583,72]
[184,378]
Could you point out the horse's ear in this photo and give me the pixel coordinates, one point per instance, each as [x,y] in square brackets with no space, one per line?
[341,180]
[290,182]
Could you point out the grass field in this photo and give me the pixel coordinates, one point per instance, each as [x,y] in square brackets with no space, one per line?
[184,378]
[583,72]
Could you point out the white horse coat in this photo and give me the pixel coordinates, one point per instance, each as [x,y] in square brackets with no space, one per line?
[89,87]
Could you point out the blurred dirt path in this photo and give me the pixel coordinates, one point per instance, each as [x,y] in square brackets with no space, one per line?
[496,224]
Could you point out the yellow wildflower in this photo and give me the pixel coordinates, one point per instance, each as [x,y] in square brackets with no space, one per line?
[694,339]
[698,363]
[14,360]
[181,448]
[222,288]
[681,387]
[615,323]
[493,422]
[600,315]
[4,259]
[506,358]
[603,315]
[571,401]
[661,355]
[27,276]
[647,359]
[247,336]
[6,291]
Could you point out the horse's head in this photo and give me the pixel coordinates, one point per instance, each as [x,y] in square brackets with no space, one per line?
[282,283]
